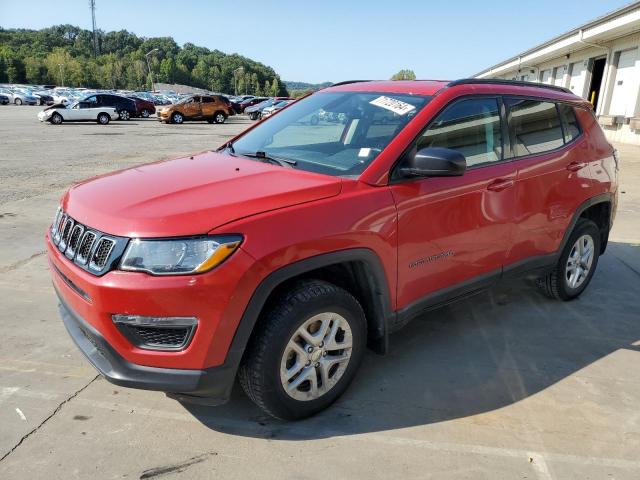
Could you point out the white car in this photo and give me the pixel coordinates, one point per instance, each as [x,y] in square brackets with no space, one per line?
[78,112]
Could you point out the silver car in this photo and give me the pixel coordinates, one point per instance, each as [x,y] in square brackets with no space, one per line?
[19,97]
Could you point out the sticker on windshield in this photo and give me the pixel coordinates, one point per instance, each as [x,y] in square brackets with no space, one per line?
[396,106]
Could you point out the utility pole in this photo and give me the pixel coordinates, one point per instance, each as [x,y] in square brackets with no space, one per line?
[61,65]
[153,88]
[92,4]
[235,79]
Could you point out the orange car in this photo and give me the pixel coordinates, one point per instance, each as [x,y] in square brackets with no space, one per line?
[211,108]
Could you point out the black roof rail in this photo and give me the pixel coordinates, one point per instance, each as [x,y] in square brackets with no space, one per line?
[347,82]
[499,81]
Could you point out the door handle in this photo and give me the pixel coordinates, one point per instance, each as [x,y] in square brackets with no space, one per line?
[500,184]
[575,166]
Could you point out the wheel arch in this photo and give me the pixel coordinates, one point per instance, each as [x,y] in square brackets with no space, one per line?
[357,270]
[599,209]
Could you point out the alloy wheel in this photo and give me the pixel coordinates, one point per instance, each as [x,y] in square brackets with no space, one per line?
[316,356]
[579,261]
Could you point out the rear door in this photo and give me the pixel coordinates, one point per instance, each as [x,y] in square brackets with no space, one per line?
[552,178]
[208,106]
[455,231]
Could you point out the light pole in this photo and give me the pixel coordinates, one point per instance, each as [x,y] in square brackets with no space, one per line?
[235,79]
[153,88]
[61,65]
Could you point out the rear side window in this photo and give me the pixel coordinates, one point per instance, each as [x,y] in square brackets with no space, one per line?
[534,126]
[569,122]
[207,100]
[470,126]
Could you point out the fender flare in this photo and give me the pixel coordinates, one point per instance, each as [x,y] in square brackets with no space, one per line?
[601,198]
[381,295]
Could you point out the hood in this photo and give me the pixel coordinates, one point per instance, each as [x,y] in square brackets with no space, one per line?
[190,195]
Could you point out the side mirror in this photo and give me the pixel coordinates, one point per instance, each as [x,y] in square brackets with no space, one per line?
[434,162]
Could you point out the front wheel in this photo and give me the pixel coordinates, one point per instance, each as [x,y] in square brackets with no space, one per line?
[305,352]
[103,119]
[177,118]
[56,119]
[18,101]
[144,113]
[219,117]
[577,263]
[124,114]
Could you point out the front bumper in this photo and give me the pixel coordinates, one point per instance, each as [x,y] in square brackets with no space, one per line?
[211,386]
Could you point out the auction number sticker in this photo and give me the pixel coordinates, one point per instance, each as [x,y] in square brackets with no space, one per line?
[396,106]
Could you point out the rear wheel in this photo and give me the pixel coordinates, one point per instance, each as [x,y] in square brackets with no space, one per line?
[576,265]
[56,118]
[18,101]
[144,113]
[103,119]
[177,118]
[219,117]
[307,352]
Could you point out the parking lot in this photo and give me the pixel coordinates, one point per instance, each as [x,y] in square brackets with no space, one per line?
[507,384]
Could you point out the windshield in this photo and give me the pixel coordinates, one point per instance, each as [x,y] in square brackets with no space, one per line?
[336,133]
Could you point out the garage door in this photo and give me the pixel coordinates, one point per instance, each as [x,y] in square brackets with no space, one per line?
[625,87]
[546,77]
[578,76]
[558,79]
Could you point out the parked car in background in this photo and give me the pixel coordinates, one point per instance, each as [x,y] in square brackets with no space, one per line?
[254,110]
[125,106]
[19,97]
[4,100]
[44,97]
[196,107]
[144,107]
[268,111]
[83,111]
[250,102]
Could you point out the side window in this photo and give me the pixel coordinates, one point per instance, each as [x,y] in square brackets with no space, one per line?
[196,99]
[92,101]
[569,122]
[534,126]
[470,126]
[208,100]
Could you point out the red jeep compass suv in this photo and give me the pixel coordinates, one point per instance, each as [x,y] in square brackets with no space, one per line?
[281,256]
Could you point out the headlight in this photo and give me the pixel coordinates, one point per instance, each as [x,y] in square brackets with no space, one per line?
[178,256]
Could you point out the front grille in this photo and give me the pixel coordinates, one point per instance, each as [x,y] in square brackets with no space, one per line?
[158,338]
[90,249]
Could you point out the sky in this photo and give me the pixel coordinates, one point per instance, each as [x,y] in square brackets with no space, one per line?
[333,40]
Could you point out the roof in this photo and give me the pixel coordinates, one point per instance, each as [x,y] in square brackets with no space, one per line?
[623,21]
[474,85]
[415,87]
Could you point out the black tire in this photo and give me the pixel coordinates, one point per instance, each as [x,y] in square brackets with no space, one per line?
[56,119]
[219,117]
[177,118]
[144,113]
[259,372]
[18,101]
[556,284]
[210,120]
[103,119]
[124,114]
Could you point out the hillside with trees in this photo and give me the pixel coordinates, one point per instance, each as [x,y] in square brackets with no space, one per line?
[66,52]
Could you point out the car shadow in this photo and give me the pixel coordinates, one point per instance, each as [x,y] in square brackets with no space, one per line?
[475,356]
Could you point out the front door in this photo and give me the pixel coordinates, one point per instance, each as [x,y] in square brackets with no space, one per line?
[455,231]
[192,107]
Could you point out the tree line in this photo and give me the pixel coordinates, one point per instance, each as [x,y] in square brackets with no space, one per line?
[64,54]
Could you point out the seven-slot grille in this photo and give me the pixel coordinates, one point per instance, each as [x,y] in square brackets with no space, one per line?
[90,249]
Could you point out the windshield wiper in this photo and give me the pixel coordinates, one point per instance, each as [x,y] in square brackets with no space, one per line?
[262,156]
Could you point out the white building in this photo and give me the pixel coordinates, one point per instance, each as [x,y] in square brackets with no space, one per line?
[599,61]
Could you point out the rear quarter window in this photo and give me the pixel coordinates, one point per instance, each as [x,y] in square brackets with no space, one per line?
[534,126]
[569,122]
